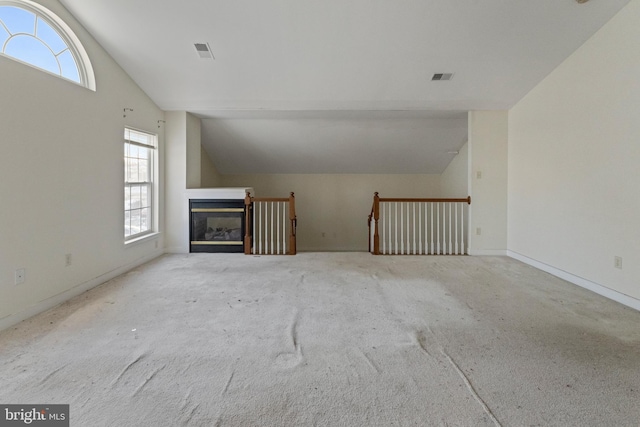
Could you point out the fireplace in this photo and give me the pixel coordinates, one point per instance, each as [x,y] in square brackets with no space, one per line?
[217,225]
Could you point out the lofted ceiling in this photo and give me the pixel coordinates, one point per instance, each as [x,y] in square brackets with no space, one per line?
[338,86]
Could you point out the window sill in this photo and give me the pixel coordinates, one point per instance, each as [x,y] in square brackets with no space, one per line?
[142,239]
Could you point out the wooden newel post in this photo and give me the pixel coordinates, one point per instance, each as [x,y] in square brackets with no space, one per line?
[376,216]
[294,223]
[247,224]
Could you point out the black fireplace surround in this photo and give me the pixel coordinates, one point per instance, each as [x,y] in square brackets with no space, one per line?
[216,225]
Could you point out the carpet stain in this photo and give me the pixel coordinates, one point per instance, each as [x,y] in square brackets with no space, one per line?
[421,340]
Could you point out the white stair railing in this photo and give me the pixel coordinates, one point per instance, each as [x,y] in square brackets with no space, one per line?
[270,225]
[419,226]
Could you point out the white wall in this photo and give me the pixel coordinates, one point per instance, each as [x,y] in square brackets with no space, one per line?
[209,176]
[574,161]
[336,205]
[61,179]
[194,151]
[454,181]
[176,182]
[488,136]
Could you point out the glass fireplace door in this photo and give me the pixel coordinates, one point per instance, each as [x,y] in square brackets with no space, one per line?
[217,225]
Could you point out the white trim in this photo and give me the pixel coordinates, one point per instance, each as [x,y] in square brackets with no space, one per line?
[579,281]
[13,319]
[488,252]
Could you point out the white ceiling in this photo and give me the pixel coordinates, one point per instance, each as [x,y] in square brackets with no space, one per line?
[338,86]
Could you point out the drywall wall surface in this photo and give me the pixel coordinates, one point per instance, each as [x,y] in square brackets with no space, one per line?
[176,182]
[332,210]
[61,176]
[574,161]
[454,181]
[488,133]
[209,176]
[194,150]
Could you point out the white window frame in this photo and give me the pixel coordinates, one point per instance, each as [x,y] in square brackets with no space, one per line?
[79,54]
[134,140]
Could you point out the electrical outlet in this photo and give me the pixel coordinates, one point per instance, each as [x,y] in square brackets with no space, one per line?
[21,274]
[617,262]
[478,231]
[479,175]
[67,260]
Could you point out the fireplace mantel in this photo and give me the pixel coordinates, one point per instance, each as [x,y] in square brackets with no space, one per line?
[236,193]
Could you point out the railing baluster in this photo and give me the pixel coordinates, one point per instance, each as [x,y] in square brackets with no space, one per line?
[383,220]
[420,228]
[278,228]
[402,228]
[445,248]
[450,248]
[285,207]
[457,251]
[430,251]
[462,236]
[409,226]
[253,228]
[390,232]
[438,228]
[396,231]
[260,228]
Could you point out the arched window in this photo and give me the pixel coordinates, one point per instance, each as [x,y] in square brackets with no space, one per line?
[36,36]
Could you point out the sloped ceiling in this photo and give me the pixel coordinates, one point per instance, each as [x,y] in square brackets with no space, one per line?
[328,86]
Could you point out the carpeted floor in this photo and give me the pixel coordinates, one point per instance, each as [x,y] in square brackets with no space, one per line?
[330,339]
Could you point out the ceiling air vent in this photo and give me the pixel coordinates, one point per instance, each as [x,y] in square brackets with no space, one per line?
[442,76]
[204,51]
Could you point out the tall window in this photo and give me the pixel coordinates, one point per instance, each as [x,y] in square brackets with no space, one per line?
[139,160]
[34,35]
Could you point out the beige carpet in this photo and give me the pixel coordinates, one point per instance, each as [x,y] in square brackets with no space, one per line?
[330,339]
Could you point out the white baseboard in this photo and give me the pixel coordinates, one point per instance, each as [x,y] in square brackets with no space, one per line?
[177,250]
[582,282]
[487,252]
[13,319]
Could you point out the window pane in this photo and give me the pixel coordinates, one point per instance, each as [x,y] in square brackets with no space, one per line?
[127,198]
[127,224]
[68,66]
[143,153]
[140,137]
[50,37]
[18,20]
[133,170]
[133,150]
[144,196]
[3,35]
[135,221]
[143,171]
[33,51]
[135,197]
[145,219]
